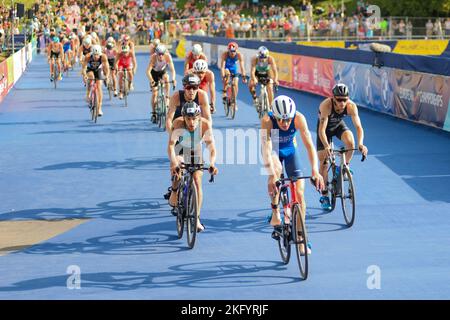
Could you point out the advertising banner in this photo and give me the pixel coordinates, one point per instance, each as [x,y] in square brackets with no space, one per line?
[284,66]
[10,63]
[17,58]
[313,74]
[213,58]
[422,97]
[421,47]
[4,88]
[447,121]
[181,50]
[369,87]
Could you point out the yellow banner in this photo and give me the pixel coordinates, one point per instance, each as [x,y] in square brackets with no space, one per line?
[10,63]
[284,66]
[181,49]
[421,47]
[325,44]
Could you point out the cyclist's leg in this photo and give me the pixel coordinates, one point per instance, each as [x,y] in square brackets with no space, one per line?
[225,82]
[90,76]
[99,83]
[293,167]
[121,87]
[175,185]
[252,88]
[198,183]
[165,78]
[51,66]
[236,88]
[346,136]
[270,91]
[59,63]
[273,193]
[114,80]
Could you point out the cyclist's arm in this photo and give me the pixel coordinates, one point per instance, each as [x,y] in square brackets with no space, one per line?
[324,112]
[61,50]
[105,65]
[172,67]
[149,70]
[212,87]
[222,65]
[241,64]
[253,69]
[186,64]
[274,69]
[208,138]
[204,105]
[302,126]
[174,101]
[133,59]
[353,112]
[83,67]
[173,138]
[266,145]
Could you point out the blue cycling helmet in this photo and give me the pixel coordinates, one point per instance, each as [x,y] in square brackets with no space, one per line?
[56,39]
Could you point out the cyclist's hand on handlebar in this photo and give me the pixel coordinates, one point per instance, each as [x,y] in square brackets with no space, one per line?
[329,152]
[363,150]
[175,169]
[152,84]
[317,181]
[174,84]
[244,79]
[213,170]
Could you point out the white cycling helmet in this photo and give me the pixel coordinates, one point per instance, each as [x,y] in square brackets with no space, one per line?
[156,42]
[200,65]
[125,49]
[263,52]
[94,34]
[197,50]
[87,41]
[283,108]
[160,49]
[96,50]
[110,40]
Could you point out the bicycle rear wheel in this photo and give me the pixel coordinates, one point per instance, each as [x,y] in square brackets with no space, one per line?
[55,75]
[348,197]
[192,215]
[300,241]
[284,244]
[125,89]
[94,109]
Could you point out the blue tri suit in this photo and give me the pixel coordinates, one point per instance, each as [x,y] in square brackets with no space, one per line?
[285,145]
[231,64]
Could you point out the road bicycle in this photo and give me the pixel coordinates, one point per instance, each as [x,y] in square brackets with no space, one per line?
[229,102]
[340,183]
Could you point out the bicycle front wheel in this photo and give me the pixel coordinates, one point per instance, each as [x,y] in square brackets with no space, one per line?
[348,197]
[300,241]
[180,213]
[192,215]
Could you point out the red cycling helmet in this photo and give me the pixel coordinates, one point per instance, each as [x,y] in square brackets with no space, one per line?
[233,46]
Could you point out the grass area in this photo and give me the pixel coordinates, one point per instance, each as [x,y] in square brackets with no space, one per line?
[28,3]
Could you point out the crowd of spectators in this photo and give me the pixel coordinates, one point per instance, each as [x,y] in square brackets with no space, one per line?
[145,20]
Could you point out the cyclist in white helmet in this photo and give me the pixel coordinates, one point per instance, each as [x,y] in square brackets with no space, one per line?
[195,54]
[85,48]
[157,71]
[279,147]
[155,42]
[111,54]
[263,69]
[96,68]
[125,62]
[207,80]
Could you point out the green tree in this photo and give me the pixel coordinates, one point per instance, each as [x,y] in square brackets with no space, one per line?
[413,8]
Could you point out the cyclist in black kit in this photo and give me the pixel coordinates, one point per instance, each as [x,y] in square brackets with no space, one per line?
[331,124]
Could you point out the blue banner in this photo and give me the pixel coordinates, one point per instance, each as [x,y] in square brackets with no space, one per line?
[369,87]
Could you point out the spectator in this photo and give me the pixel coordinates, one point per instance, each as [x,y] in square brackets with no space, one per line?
[429,29]
[447,27]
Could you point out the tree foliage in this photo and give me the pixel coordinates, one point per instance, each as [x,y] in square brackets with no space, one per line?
[413,8]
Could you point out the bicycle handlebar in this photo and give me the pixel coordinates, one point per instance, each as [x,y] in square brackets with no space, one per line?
[195,167]
[163,82]
[283,180]
[341,151]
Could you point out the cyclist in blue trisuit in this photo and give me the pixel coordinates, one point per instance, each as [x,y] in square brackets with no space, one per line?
[279,146]
[229,66]
[330,123]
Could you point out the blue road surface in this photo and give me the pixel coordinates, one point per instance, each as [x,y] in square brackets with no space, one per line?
[56,165]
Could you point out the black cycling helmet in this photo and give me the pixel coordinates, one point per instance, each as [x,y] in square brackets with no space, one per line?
[191,109]
[191,79]
[340,90]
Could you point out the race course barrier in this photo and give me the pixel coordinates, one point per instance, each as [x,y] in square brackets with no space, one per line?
[411,87]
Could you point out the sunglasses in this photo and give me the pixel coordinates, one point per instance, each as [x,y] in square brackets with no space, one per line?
[191,87]
[341,99]
[200,72]
[285,121]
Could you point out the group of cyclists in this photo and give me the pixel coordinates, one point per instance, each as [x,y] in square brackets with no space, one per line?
[189,119]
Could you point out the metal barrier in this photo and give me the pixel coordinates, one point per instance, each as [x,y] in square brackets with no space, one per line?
[318,29]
